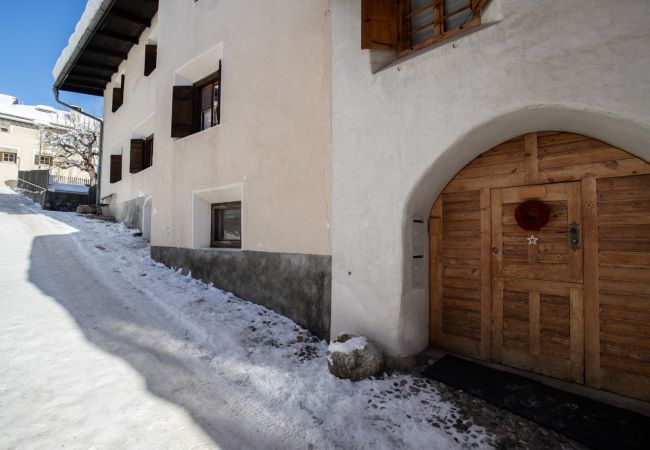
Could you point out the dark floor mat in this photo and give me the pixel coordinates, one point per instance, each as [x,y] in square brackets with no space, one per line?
[587,421]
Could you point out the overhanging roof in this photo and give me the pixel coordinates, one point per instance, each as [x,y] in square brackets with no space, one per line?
[105,43]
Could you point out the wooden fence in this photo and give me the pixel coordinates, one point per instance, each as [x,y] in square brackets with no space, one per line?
[70,180]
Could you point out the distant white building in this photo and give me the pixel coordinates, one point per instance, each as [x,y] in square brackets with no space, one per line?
[22,146]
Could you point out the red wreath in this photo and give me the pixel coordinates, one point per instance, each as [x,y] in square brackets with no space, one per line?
[532,215]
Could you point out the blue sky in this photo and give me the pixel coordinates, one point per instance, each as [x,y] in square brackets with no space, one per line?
[33,33]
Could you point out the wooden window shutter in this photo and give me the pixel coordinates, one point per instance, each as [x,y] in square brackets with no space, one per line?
[182,109]
[137,155]
[37,159]
[118,96]
[378,24]
[148,152]
[116,168]
[150,56]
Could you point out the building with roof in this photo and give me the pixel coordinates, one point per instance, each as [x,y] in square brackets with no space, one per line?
[468,175]
[22,145]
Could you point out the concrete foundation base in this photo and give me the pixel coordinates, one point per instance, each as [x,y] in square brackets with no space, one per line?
[295,285]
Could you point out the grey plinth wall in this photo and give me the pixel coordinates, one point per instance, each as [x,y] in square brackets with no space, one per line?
[129,212]
[295,285]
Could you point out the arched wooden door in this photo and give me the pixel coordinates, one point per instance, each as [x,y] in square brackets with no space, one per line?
[570,300]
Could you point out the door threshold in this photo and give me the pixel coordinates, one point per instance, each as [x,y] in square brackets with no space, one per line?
[431,355]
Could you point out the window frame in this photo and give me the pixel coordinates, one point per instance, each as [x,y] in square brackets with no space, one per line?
[38,160]
[439,19]
[213,80]
[215,215]
[14,154]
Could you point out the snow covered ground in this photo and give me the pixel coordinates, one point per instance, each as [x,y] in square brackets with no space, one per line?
[102,347]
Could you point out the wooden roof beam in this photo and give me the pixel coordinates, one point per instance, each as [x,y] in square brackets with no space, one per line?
[97,66]
[104,52]
[90,75]
[118,36]
[83,88]
[86,80]
[125,15]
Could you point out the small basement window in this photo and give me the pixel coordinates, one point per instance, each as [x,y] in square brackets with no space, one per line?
[8,157]
[4,129]
[198,107]
[226,225]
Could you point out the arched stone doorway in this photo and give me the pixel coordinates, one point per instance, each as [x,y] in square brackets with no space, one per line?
[570,299]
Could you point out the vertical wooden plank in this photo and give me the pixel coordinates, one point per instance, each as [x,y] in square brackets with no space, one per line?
[591,282]
[486,273]
[497,231]
[435,273]
[534,322]
[497,319]
[530,158]
[577,338]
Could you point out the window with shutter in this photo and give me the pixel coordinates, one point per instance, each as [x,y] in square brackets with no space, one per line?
[409,25]
[150,57]
[116,168]
[137,155]
[198,107]
[118,96]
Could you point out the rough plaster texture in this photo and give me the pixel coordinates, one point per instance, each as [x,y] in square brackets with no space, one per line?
[400,134]
[274,137]
[295,285]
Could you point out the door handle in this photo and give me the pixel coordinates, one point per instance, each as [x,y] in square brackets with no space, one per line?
[574,236]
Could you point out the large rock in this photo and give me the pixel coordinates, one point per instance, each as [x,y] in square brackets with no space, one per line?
[84,209]
[354,357]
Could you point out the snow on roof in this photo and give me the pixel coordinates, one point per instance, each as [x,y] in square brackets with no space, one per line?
[7,99]
[93,9]
[39,114]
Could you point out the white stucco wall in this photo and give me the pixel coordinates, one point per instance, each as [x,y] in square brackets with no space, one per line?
[274,139]
[399,135]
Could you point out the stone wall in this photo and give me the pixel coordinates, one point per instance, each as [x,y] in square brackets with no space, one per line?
[295,285]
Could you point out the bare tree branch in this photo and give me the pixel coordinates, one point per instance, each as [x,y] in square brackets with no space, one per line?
[76,145]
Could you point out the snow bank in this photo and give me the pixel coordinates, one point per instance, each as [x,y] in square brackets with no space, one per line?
[93,8]
[247,367]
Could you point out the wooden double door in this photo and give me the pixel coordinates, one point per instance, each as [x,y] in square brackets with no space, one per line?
[571,300]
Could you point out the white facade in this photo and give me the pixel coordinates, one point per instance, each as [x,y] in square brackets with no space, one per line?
[400,134]
[272,148]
